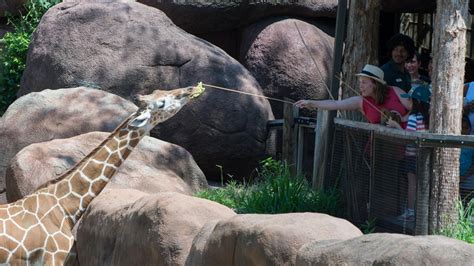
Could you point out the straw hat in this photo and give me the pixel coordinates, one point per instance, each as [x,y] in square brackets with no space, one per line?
[373,72]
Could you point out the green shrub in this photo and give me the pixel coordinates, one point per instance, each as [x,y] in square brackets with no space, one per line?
[15,47]
[275,191]
[369,226]
[463,229]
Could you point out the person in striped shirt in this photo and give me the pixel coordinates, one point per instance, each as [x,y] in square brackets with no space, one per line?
[418,120]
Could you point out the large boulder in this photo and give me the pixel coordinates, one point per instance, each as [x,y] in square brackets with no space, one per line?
[129,48]
[289,58]
[388,249]
[154,166]
[263,239]
[123,228]
[53,114]
[208,16]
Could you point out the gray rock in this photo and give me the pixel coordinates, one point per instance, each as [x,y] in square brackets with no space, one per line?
[154,166]
[263,239]
[388,249]
[128,48]
[289,58]
[55,114]
[143,230]
[208,16]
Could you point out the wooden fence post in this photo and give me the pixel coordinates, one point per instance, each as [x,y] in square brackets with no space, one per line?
[324,123]
[423,191]
[323,126]
[289,135]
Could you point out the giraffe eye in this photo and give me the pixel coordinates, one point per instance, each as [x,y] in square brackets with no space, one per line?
[160,104]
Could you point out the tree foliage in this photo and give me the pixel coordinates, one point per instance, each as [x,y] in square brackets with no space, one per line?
[15,48]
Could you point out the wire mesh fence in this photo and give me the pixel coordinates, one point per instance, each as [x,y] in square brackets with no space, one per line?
[386,175]
[303,136]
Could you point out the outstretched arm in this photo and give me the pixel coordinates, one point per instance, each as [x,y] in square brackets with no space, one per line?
[352,103]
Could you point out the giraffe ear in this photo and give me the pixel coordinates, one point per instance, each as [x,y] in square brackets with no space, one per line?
[140,120]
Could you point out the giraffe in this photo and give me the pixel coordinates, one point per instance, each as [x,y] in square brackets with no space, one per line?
[37,229]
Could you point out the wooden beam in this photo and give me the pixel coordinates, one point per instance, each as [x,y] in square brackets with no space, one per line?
[289,135]
[325,127]
[425,139]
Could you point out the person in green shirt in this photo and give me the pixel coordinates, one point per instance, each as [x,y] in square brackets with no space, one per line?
[401,48]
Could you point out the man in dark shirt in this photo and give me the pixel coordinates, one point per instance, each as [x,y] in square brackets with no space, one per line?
[401,48]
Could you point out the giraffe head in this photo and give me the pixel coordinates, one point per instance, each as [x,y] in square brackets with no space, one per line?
[159,106]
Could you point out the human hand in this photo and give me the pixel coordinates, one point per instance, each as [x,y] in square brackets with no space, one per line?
[304,104]
[393,124]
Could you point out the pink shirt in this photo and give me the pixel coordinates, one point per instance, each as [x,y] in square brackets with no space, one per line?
[391,103]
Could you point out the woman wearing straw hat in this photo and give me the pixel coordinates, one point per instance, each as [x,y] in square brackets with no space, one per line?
[375,96]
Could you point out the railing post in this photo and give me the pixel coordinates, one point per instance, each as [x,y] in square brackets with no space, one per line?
[325,125]
[289,135]
[320,148]
[299,149]
[423,191]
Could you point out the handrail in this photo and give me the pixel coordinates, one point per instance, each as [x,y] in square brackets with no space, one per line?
[423,139]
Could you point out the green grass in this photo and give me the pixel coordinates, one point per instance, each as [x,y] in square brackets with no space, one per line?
[463,229]
[274,191]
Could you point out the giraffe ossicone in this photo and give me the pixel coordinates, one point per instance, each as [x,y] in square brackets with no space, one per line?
[38,228]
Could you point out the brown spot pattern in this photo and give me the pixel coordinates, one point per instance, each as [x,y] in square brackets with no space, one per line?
[92,170]
[14,209]
[112,144]
[98,185]
[3,254]
[62,189]
[30,203]
[79,185]
[109,171]
[51,244]
[101,155]
[134,142]
[71,203]
[114,159]
[62,240]
[125,152]
[13,230]
[25,219]
[122,133]
[37,236]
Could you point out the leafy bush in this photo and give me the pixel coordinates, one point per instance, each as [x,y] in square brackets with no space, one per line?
[464,228]
[15,48]
[369,226]
[274,191]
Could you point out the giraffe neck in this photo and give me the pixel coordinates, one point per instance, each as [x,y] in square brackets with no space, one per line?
[77,187]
